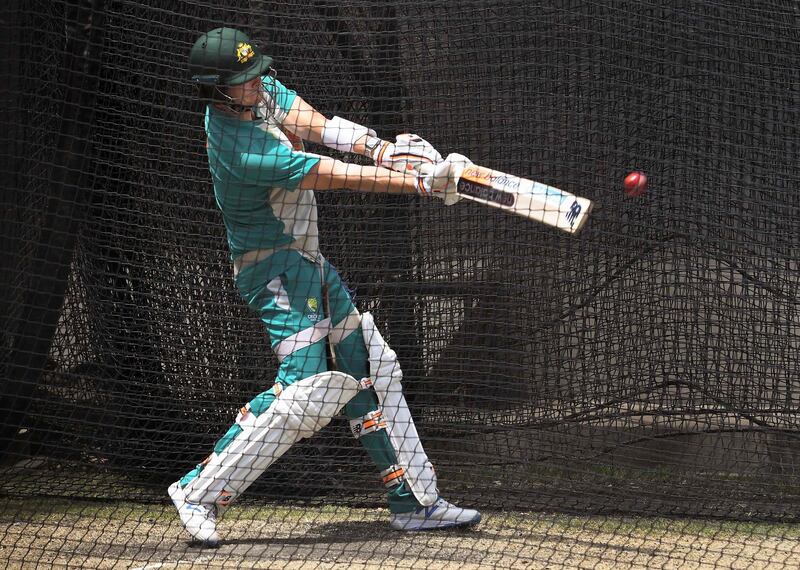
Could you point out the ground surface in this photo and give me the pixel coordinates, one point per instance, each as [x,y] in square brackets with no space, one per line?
[71,534]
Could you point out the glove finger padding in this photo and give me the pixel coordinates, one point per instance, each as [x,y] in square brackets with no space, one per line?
[417,146]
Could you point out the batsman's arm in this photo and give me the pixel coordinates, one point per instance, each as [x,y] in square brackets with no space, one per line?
[304,121]
[439,181]
[408,151]
[329,174]
[287,168]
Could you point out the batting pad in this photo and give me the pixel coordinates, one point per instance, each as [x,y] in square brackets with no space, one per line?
[387,376]
[301,410]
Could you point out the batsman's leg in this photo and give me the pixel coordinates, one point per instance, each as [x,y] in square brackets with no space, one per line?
[201,519]
[285,297]
[299,411]
[387,429]
[435,512]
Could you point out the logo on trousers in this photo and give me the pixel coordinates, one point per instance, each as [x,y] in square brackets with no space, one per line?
[312,309]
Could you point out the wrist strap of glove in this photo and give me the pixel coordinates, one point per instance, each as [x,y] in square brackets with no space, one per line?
[377,148]
[423,190]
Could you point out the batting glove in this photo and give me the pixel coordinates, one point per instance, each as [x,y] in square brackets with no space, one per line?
[441,180]
[408,152]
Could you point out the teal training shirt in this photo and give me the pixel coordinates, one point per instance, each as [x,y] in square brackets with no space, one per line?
[256,172]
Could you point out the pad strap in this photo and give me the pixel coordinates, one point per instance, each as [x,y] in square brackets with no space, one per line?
[246,418]
[393,476]
[369,423]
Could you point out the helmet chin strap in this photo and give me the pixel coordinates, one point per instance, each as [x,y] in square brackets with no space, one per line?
[229,105]
[263,108]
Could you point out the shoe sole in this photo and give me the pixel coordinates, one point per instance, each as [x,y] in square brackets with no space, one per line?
[472,522]
[194,542]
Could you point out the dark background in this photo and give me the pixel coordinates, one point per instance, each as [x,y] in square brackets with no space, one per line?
[648,365]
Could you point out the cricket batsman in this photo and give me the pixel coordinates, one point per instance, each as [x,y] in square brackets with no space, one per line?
[331,356]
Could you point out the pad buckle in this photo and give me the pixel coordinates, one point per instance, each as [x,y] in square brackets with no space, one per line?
[393,476]
[369,423]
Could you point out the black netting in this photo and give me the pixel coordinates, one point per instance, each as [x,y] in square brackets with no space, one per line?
[604,398]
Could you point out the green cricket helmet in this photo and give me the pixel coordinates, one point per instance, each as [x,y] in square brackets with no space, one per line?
[226,56]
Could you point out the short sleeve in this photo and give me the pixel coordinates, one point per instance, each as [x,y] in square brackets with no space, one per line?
[281,167]
[282,96]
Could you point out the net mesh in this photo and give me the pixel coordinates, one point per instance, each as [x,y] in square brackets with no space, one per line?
[605,398]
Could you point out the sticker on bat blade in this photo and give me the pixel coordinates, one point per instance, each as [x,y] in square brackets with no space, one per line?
[491,177]
[573,213]
[483,192]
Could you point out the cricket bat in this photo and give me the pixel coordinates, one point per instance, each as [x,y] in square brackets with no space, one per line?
[526,198]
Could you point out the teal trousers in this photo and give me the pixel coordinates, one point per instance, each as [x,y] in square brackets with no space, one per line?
[286,290]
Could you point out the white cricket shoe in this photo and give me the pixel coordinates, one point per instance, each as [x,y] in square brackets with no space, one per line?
[199,520]
[440,514]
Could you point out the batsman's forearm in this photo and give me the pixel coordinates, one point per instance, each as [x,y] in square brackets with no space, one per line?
[383,180]
[304,121]
[331,174]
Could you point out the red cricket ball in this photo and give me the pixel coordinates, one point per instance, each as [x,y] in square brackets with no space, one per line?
[635,184]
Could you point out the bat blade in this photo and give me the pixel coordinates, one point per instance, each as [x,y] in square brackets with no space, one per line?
[523,197]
